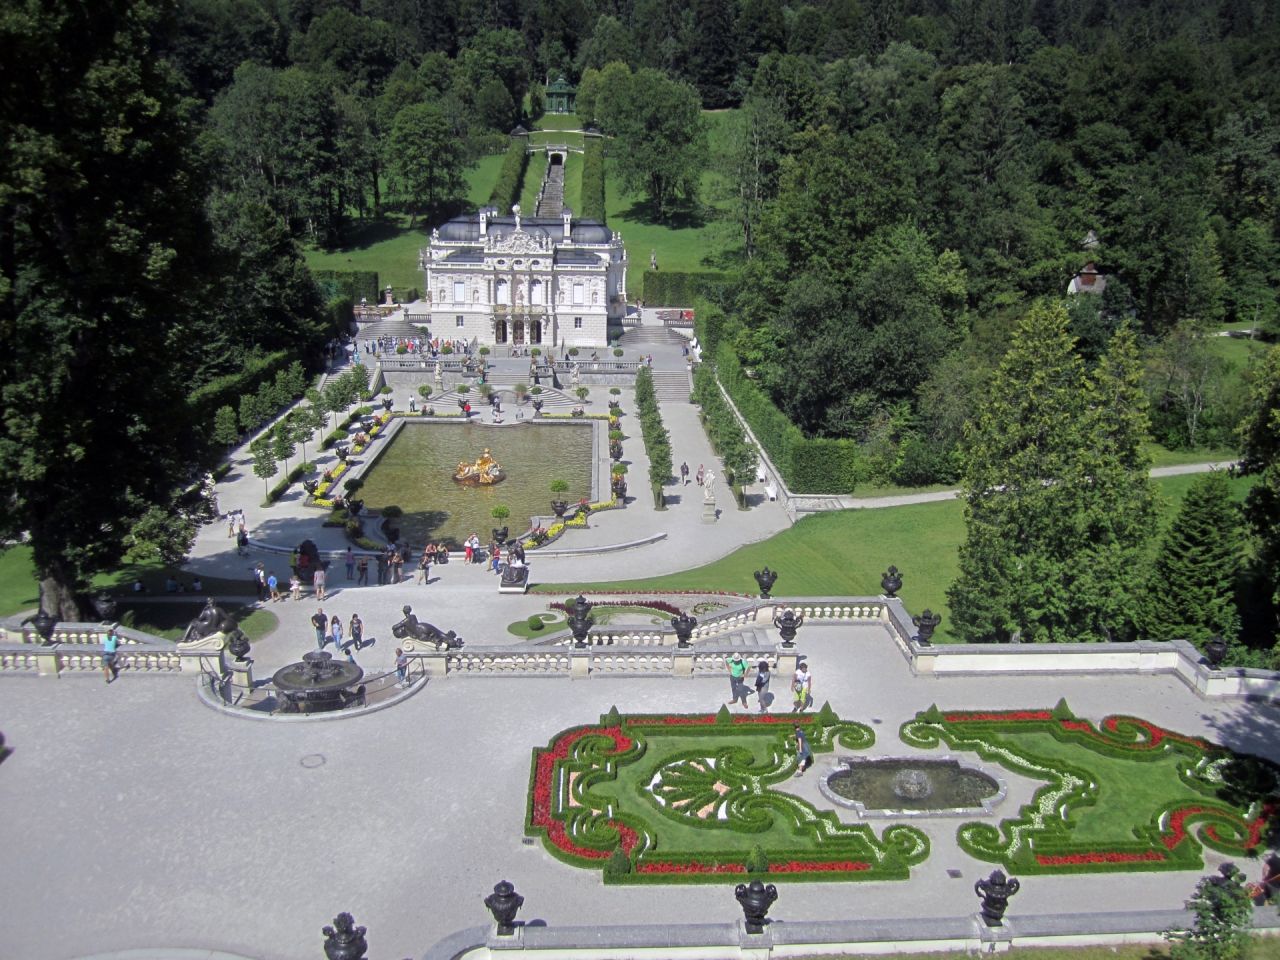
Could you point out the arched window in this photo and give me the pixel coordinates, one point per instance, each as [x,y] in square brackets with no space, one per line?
[503,294]
[535,292]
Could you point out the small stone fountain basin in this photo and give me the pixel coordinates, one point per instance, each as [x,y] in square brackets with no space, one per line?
[317,683]
[913,787]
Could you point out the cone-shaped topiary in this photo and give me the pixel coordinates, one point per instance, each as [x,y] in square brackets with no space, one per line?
[618,863]
[1062,711]
[612,719]
[826,716]
[724,716]
[757,862]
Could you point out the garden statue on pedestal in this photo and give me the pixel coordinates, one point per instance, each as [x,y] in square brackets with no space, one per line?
[411,629]
[709,514]
[308,562]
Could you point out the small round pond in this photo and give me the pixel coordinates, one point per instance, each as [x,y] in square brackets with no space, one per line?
[416,471]
[924,785]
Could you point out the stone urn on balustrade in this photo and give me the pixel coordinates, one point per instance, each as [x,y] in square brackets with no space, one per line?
[558,507]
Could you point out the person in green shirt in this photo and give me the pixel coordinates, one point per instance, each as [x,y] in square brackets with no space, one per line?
[737,675]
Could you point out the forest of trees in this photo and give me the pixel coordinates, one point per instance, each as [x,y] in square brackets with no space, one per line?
[902,181]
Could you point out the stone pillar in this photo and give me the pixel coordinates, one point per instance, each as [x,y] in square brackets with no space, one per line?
[683,663]
[787,662]
[709,510]
[435,663]
[580,663]
[48,663]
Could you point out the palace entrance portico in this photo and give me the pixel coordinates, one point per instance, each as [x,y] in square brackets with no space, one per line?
[519,328]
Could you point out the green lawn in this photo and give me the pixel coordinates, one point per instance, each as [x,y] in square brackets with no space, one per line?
[558,121]
[170,620]
[1238,351]
[1128,792]
[573,183]
[18,589]
[552,622]
[533,175]
[845,553]
[388,245]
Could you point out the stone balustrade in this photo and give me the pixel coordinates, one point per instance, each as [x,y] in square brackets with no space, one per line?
[619,661]
[77,647]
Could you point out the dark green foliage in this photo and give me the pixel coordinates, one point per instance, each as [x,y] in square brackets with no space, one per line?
[224,426]
[535,622]
[354,285]
[1224,919]
[227,390]
[506,192]
[279,490]
[670,288]
[612,718]
[593,207]
[723,716]
[618,864]
[727,436]
[756,861]
[657,442]
[1191,593]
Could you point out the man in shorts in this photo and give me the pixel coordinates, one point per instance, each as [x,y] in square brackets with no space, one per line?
[802,688]
[109,644]
[737,678]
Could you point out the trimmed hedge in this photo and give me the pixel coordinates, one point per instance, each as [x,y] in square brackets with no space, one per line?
[657,442]
[816,846]
[349,284]
[808,465]
[593,181]
[673,288]
[227,391]
[728,439]
[1032,843]
[292,477]
[506,192]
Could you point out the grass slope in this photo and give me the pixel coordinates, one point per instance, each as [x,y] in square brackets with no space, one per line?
[169,620]
[845,553]
[388,245]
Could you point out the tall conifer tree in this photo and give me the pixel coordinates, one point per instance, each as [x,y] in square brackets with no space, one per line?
[1058,505]
[1191,594]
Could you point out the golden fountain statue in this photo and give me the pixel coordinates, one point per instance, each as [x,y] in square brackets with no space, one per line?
[484,471]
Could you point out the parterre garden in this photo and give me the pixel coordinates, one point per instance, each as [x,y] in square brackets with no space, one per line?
[697,798]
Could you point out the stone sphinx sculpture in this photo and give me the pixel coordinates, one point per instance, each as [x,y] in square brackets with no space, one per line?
[410,628]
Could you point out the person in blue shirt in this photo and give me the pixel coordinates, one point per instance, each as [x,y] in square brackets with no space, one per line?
[109,644]
[804,756]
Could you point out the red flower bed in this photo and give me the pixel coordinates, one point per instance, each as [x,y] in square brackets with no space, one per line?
[1075,859]
[666,866]
[660,605]
[819,866]
[1080,725]
[542,788]
[999,717]
[629,837]
[771,718]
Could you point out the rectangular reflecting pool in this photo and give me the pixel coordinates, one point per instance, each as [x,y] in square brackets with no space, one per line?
[416,472]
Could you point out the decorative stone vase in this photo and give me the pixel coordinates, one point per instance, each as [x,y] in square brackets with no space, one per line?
[344,940]
[926,623]
[766,579]
[891,582]
[1215,651]
[558,507]
[684,625]
[238,646]
[995,892]
[504,903]
[756,899]
[788,622]
[105,606]
[580,621]
[500,535]
[615,449]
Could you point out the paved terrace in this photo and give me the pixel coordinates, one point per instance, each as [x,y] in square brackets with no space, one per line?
[138,817]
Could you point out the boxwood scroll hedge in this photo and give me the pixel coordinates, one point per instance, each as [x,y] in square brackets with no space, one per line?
[666,798]
[1097,813]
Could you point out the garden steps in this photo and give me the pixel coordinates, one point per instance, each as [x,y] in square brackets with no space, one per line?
[671,386]
[650,334]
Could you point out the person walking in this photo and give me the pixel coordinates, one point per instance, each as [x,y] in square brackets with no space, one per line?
[320,622]
[109,644]
[362,568]
[295,587]
[242,543]
[319,582]
[804,756]
[335,632]
[684,474]
[260,582]
[495,556]
[763,676]
[351,564]
[702,472]
[274,586]
[231,525]
[424,568]
[356,629]
[402,666]
[382,569]
[397,566]
[802,688]
[737,673]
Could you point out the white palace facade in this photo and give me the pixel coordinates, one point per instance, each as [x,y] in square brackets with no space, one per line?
[532,280]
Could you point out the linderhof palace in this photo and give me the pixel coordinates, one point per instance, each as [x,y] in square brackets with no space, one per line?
[508,279]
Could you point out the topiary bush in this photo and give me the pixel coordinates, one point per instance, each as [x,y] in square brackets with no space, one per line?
[500,512]
[402,350]
[573,351]
[446,350]
[391,512]
[352,485]
[617,351]
[386,391]
[424,391]
[484,351]
[559,486]
[536,622]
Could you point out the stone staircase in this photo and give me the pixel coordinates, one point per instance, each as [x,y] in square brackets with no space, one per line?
[650,333]
[671,386]
[551,199]
[397,329]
